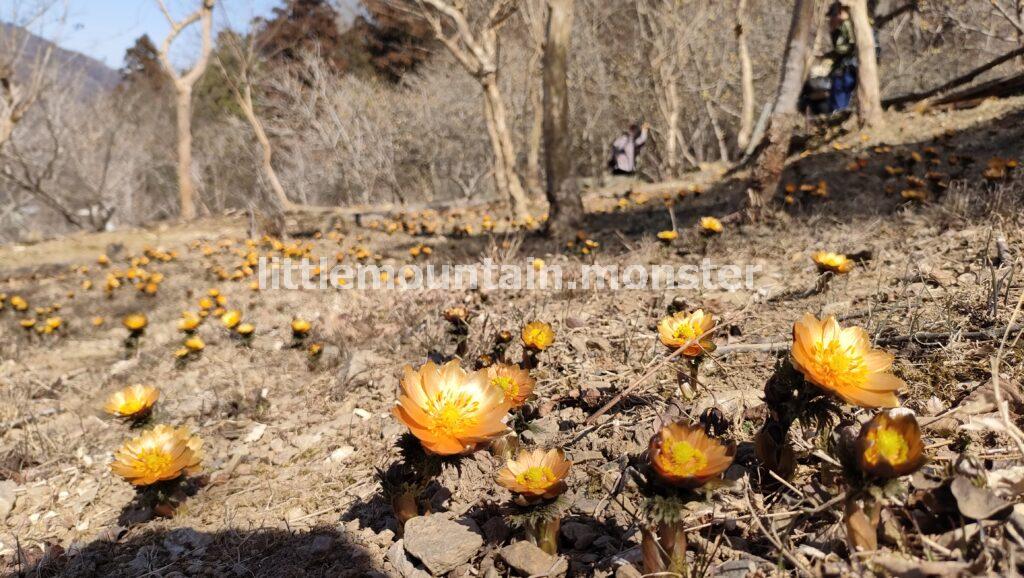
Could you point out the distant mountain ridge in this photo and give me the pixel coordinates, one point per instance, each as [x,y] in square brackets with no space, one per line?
[95,76]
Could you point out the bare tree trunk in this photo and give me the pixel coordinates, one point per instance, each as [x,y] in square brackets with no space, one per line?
[869,99]
[565,211]
[535,137]
[183,84]
[768,171]
[674,135]
[244,98]
[500,173]
[186,190]
[746,78]
[506,151]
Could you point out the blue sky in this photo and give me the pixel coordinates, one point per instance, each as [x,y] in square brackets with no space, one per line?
[104,29]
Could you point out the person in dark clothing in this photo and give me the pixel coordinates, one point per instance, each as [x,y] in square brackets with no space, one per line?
[844,58]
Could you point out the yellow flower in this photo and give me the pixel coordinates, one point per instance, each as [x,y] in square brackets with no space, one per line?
[132,402]
[683,455]
[97,321]
[449,410]
[710,226]
[231,319]
[245,329]
[300,327]
[27,323]
[835,262]
[160,454]
[103,260]
[516,383]
[668,236]
[206,303]
[19,303]
[455,314]
[841,361]
[538,336]
[536,474]
[54,323]
[195,344]
[889,446]
[538,264]
[689,330]
[189,322]
[136,323]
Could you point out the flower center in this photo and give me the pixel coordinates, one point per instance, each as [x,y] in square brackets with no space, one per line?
[454,413]
[839,364]
[536,477]
[685,330]
[131,406]
[887,444]
[507,385]
[154,462]
[686,460]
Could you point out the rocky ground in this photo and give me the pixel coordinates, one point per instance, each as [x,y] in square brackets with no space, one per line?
[293,442]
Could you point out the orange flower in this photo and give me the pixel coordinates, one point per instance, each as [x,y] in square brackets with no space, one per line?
[690,330]
[835,262]
[132,402]
[536,474]
[449,410]
[162,453]
[889,446]
[136,323]
[515,383]
[300,327]
[683,455]
[538,336]
[711,226]
[841,361]
[231,319]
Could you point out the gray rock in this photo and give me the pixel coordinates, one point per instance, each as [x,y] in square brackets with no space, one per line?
[184,541]
[496,530]
[7,488]
[529,560]
[440,543]
[581,535]
[402,564]
[627,570]
[735,569]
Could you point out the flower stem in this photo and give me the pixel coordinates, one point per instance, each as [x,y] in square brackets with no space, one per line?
[544,533]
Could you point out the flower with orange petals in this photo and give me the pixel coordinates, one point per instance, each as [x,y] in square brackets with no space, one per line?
[133,402]
[832,262]
[842,361]
[689,330]
[683,455]
[516,383]
[538,336]
[159,454]
[450,410]
[889,446]
[536,474]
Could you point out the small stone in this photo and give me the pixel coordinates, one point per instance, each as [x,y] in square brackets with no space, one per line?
[627,570]
[341,454]
[7,488]
[496,530]
[581,535]
[402,564]
[320,544]
[529,560]
[440,543]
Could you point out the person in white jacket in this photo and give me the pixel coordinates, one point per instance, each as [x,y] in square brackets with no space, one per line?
[626,147]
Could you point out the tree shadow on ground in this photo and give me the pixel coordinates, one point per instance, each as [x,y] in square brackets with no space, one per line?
[317,552]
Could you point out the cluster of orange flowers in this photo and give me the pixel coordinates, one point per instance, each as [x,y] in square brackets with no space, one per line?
[159,454]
